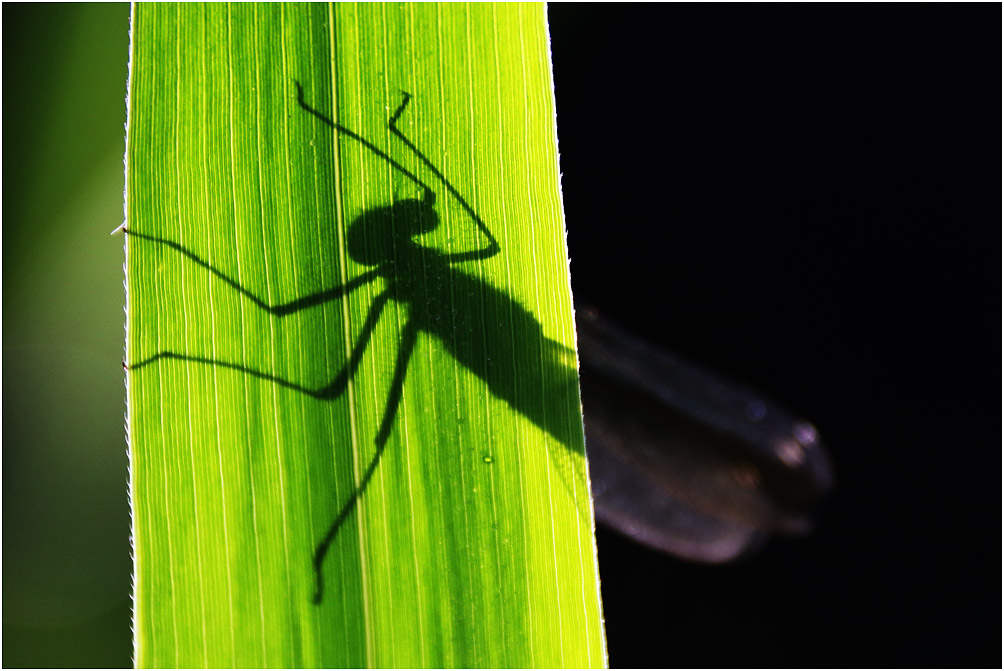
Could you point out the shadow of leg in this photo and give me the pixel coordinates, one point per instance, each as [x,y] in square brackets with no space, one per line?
[408,339]
[190,358]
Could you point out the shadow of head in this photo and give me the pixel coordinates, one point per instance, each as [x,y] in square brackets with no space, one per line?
[381,234]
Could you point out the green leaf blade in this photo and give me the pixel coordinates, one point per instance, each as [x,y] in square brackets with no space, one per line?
[472,542]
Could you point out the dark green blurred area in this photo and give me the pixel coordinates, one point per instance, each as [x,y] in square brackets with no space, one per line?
[66,564]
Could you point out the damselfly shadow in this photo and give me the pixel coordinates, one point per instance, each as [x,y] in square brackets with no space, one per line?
[383,238]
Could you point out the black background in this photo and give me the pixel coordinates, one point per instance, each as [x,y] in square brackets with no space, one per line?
[805,197]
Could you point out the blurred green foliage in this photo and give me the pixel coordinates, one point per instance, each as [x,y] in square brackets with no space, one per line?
[66,566]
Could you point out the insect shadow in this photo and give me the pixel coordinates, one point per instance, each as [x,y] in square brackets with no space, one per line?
[493,336]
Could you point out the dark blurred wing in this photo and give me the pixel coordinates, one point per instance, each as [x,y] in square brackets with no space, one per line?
[686,461]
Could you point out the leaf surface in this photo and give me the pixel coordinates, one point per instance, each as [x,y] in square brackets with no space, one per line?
[354,419]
